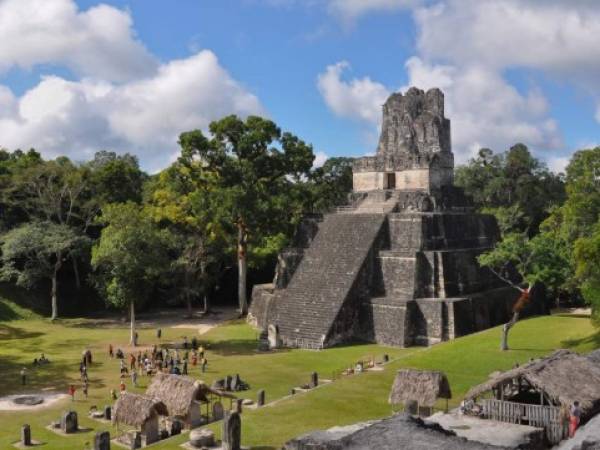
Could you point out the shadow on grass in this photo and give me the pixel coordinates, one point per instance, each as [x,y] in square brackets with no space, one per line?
[50,376]
[593,339]
[238,347]
[7,333]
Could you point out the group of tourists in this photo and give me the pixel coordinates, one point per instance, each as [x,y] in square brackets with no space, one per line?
[149,362]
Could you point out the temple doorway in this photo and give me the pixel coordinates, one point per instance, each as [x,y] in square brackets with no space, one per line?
[390,181]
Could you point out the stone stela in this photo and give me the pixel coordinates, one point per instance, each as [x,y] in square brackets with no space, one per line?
[396,265]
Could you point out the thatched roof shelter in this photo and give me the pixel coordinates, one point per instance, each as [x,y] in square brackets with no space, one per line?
[564,377]
[178,392]
[594,356]
[135,410]
[422,386]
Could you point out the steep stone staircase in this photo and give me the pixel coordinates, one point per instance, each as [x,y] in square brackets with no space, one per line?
[308,307]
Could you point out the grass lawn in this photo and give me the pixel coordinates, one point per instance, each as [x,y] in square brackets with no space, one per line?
[467,361]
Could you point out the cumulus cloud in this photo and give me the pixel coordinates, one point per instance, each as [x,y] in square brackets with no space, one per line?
[359,99]
[350,10]
[554,37]
[98,42]
[320,158]
[144,116]
[485,110]
[558,38]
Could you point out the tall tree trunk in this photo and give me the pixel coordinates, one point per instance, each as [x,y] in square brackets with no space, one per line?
[206,305]
[188,301]
[132,316]
[188,296]
[242,267]
[76,272]
[54,294]
[506,328]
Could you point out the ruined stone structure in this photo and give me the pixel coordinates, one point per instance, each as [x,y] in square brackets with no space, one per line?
[397,265]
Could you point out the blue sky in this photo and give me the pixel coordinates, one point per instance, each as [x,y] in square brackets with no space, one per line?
[130,75]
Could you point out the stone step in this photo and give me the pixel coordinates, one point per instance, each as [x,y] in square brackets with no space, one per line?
[320,284]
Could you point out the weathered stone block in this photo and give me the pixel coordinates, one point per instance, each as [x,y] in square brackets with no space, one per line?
[26,435]
[232,431]
[102,441]
[68,422]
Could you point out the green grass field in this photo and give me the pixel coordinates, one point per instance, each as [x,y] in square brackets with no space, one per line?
[467,361]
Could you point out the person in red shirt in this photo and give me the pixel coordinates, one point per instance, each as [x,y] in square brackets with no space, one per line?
[72,392]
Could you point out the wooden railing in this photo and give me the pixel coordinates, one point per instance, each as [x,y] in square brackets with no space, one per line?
[546,417]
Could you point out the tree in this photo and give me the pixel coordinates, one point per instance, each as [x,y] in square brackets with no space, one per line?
[255,166]
[587,257]
[536,260]
[129,258]
[38,250]
[116,178]
[193,210]
[514,186]
[331,183]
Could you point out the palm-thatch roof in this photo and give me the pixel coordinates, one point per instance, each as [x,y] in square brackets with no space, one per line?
[594,356]
[422,386]
[564,376]
[135,409]
[178,392]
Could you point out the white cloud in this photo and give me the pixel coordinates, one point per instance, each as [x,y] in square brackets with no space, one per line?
[359,99]
[558,163]
[144,116]
[484,109]
[350,10]
[558,36]
[99,42]
[465,48]
[320,158]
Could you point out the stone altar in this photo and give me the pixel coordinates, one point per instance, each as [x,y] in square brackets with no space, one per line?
[398,264]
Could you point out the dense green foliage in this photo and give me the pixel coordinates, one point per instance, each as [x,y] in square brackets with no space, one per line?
[514,186]
[232,198]
[549,223]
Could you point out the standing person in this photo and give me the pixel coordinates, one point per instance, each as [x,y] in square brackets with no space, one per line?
[134,377]
[194,359]
[204,364]
[23,376]
[122,386]
[135,339]
[72,392]
[158,333]
[574,419]
[85,389]
[132,361]
[185,367]
[111,351]
[201,351]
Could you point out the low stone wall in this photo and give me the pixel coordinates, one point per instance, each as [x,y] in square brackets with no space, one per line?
[261,305]
[430,321]
[386,322]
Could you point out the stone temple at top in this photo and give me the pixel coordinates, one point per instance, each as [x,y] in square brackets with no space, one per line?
[398,264]
[414,148]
